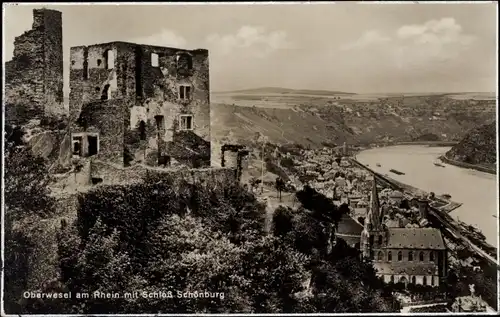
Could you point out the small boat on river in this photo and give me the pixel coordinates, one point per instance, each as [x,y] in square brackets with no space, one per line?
[438,164]
[378,165]
[396,172]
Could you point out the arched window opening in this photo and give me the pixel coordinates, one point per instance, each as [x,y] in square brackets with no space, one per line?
[184,62]
[380,255]
[421,256]
[424,280]
[142,130]
[431,256]
[389,256]
[432,281]
[413,280]
[392,278]
[379,240]
[410,256]
[400,256]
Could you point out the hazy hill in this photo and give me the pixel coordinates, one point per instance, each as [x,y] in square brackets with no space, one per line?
[477,147]
[278,90]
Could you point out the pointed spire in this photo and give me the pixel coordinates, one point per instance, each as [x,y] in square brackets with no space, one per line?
[375,205]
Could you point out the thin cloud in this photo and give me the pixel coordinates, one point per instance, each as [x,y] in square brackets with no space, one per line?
[255,40]
[166,38]
[433,34]
[415,47]
[367,39]
[443,31]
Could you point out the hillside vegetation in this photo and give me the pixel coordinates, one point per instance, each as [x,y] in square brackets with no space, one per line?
[477,147]
[165,235]
[314,121]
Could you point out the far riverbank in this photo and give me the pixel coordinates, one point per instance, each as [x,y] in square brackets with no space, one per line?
[467,165]
[475,190]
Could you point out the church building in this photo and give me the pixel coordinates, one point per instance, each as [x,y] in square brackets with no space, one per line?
[402,255]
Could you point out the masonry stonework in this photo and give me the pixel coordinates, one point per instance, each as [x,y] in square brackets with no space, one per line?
[165,97]
[34,77]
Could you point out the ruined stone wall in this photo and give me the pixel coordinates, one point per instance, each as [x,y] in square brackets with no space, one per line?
[106,119]
[110,174]
[149,92]
[159,93]
[91,76]
[34,77]
[53,50]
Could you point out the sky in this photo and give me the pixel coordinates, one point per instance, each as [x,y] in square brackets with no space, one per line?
[351,47]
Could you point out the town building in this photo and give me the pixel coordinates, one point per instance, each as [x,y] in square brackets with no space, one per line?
[140,103]
[403,255]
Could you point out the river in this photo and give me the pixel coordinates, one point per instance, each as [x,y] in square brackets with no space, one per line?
[477,191]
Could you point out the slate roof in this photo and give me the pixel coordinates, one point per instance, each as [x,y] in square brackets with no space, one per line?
[415,238]
[411,268]
[348,226]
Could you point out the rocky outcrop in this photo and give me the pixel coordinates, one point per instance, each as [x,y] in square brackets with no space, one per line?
[477,148]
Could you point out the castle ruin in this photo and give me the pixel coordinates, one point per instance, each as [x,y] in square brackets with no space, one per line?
[129,104]
[34,76]
[140,103]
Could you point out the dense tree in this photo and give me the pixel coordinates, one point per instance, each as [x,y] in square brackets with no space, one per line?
[26,202]
[26,179]
[170,235]
[282,221]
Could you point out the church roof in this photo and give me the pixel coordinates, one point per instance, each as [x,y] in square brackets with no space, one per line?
[415,238]
[405,267]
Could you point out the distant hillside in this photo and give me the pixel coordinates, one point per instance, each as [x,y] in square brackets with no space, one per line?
[278,90]
[319,121]
[477,147]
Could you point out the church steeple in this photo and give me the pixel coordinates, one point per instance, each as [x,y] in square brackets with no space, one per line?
[375,205]
[365,239]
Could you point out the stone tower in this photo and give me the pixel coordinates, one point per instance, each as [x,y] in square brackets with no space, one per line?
[34,76]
